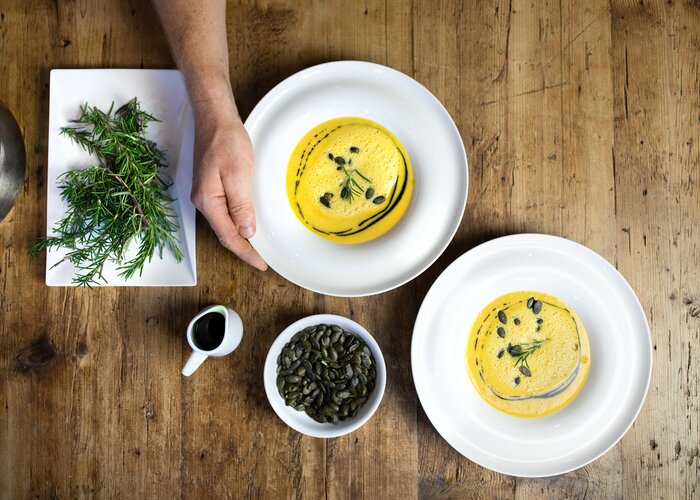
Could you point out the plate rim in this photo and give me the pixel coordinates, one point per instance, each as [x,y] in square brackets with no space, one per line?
[530,238]
[262,106]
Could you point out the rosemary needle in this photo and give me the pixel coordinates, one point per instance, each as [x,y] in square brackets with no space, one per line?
[523,351]
[121,199]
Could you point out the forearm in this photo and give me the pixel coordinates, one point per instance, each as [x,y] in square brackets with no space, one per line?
[196,31]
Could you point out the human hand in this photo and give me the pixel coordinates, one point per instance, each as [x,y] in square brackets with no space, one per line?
[223,166]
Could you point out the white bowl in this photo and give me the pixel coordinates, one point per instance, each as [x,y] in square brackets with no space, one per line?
[300,421]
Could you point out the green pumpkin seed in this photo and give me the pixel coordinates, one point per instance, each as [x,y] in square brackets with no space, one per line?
[514,350]
[537,307]
[502,317]
[326,372]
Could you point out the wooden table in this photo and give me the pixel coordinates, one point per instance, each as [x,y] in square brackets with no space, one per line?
[578,121]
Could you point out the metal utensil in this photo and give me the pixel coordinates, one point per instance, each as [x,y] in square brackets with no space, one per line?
[12,160]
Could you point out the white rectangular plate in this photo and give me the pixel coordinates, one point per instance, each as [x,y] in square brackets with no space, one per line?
[162,93]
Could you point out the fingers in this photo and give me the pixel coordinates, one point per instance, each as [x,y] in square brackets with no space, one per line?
[221,187]
[216,212]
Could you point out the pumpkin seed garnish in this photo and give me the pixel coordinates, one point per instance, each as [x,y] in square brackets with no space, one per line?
[537,307]
[502,317]
[326,372]
[500,353]
[525,371]
[514,350]
[523,351]
[516,380]
[350,187]
[516,321]
[379,200]
[530,301]
[369,193]
[501,332]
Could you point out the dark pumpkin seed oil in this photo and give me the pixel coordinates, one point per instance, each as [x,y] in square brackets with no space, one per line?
[209,331]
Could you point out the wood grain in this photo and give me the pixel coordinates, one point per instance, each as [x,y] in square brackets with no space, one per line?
[580,119]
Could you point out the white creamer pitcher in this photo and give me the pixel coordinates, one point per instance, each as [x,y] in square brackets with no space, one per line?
[211,335]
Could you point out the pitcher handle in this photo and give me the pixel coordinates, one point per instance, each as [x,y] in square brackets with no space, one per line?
[194,361]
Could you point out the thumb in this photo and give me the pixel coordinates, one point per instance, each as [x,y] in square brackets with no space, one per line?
[243,217]
[240,206]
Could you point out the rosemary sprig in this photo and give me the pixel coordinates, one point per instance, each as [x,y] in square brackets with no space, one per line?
[349,187]
[120,200]
[523,351]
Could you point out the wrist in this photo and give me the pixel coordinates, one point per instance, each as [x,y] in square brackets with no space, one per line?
[211,97]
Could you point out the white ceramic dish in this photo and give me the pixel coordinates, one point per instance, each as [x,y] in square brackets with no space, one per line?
[301,422]
[621,356]
[419,121]
[162,94]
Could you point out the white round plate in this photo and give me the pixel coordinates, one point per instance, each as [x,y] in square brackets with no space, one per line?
[419,121]
[620,356]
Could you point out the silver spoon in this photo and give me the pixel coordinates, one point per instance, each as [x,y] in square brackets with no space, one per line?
[12,160]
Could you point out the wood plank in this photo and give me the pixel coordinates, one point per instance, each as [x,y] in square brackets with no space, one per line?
[657,97]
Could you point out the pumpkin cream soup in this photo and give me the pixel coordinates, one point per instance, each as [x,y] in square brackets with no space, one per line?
[349,180]
[528,354]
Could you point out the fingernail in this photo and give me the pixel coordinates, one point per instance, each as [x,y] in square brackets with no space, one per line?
[246,231]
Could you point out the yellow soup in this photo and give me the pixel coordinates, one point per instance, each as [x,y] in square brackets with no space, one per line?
[528,354]
[349,180]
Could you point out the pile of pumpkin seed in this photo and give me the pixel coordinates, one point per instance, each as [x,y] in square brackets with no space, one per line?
[327,372]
